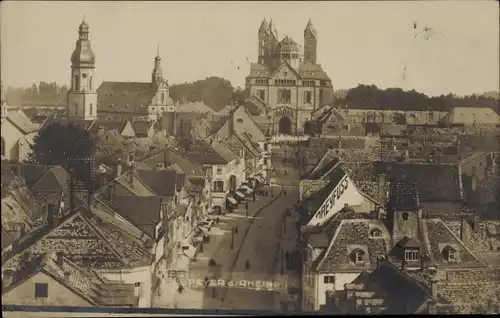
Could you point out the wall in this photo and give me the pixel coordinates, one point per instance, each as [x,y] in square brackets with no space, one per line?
[59,295]
[132,276]
[11,136]
[340,280]
[128,131]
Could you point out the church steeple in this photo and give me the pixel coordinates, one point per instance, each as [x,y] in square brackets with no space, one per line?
[82,97]
[157,75]
[310,43]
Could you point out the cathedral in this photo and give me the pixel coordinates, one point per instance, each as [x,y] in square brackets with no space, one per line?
[287,83]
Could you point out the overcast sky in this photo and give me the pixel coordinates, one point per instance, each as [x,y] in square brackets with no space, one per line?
[359,42]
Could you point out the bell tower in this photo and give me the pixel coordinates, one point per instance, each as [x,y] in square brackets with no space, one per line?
[82,96]
[310,43]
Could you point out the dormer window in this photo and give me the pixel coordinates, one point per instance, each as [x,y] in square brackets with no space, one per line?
[412,255]
[376,233]
[358,256]
[450,253]
[405,216]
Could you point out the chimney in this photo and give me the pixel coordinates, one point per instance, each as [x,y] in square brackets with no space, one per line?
[111,192]
[166,159]
[7,277]
[59,258]
[434,287]
[464,229]
[119,167]
[381,189]
[404,266]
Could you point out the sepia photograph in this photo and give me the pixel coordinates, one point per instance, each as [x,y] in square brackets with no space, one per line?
[179,158]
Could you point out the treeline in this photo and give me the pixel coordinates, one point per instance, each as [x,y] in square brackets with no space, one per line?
[43,94]
[215,92]
[371,97]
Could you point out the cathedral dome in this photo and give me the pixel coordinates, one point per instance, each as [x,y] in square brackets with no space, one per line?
[84,27]
[288,45]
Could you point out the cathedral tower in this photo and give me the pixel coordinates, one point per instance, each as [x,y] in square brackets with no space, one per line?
[264,42]
[310,43]
[82,96]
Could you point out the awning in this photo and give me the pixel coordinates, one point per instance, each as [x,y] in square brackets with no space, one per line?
[241,195]
[247,188]
[232,200]
[189,251]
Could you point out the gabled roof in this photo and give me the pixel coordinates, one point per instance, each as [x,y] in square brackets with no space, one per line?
[19,119]
[115,96]
[85,283]
[203,153]
[161,182]
[112,243]
[193,107]
[472,115]
[312,71]
[188,165]
[224,151]
[56,179]
[283,65]
[436,182]
[243,122]
[143,212]
[119,126]
[136,187]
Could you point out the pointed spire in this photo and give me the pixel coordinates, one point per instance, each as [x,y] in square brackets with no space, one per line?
[158,50]
[264,25]
[272,27]
[310,27]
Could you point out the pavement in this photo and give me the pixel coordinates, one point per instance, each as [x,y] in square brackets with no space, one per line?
[261,246]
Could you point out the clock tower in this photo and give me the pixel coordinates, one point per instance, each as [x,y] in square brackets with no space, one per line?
[82,96]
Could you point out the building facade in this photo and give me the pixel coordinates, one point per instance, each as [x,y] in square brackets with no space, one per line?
[287,81]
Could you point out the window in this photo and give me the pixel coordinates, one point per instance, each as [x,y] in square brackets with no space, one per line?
[405,216]
[282,82]
[451,255]
[262,94]
[2,146]
[90,109]
[41,290]
[411,255]
[219,169]
[376,233]
[329,279]
[307,97]
[162,98]
[359,257]
[218,186]
[284,96]
[90,83]
[261,81]
[77,82]
[308,83]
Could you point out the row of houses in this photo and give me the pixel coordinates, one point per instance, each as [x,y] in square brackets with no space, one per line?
[113,247]
[389,248]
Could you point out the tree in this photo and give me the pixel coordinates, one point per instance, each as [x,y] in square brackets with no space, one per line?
[400,119]
[65,146]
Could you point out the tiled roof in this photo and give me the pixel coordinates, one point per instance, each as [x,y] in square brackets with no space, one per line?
[436,182]
[31,173]
[141,128]
[19,205]
[6,239]
[353,232]
[193,107]
[188,165]
[258,70]
[161,182]
[329,161]
[21,121]
[471,115]
[471,144]
[93,240]
[115,96]
[6,178]
[203,153]
[144,212]
[224,152]
[86,283]
[110,125]
[312,71]
[137,187]
[401,293]
[404,195]
[390,129]
[316,199]
[56,179]
[243,122]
